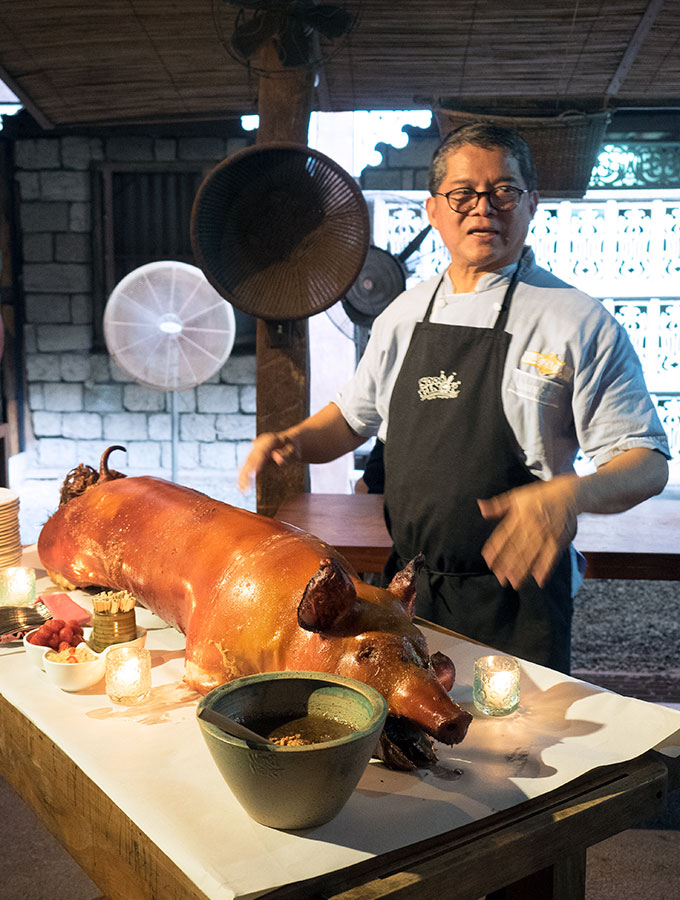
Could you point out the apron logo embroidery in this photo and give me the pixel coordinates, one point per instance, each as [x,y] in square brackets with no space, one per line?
[438,387]
[546,363]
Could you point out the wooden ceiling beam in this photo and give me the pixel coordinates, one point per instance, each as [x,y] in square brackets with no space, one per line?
[25,100]
[637,40]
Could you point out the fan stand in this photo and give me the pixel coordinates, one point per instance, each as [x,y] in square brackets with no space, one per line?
[174,441]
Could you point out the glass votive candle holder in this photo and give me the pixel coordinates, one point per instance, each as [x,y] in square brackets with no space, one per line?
[17,586]
[128,675]
[495,687]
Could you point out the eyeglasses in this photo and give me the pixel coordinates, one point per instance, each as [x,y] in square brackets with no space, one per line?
[502,198]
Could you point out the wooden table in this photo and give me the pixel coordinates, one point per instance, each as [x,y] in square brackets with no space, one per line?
[643,542]
[537,848]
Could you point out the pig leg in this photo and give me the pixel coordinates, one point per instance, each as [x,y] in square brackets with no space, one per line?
[404,745]
[211,662]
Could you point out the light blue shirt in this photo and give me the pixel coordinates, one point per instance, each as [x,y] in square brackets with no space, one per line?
[571,377]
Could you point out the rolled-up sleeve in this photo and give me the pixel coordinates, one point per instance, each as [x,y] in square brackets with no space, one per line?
[365,400]
[357,399]
[613,410]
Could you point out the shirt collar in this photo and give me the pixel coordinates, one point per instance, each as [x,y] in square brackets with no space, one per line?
[490,280]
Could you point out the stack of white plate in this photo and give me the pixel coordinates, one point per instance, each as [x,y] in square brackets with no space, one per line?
[10,541]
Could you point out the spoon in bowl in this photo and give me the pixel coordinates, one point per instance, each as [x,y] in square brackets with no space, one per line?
[235,729]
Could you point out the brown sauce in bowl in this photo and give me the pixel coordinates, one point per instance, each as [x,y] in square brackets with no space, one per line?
[299,732]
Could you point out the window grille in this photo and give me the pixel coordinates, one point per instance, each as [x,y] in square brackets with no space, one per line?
[142,213]
[637,165]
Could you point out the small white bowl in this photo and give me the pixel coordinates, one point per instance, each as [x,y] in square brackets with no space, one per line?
[36,651]
[75,676]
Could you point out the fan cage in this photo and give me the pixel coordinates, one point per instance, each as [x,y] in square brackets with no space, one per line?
[381,279]
[319,51]
[167,327]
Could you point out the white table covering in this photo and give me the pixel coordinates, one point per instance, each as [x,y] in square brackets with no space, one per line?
[158,770]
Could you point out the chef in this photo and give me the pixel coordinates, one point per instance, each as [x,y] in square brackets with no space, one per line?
[483,382]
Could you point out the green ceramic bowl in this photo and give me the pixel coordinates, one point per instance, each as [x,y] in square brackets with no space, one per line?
[294,787]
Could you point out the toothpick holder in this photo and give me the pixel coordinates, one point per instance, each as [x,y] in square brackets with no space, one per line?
[112,628]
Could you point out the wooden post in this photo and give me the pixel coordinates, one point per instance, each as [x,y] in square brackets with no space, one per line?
[11,409]
[284,105]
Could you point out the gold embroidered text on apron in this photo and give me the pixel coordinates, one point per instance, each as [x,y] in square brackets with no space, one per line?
[438,387]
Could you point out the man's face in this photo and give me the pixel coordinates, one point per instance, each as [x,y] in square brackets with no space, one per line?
[484,239]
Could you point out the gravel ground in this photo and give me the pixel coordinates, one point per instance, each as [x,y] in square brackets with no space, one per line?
[627,626]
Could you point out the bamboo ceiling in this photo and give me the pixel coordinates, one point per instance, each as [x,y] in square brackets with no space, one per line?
[83,62]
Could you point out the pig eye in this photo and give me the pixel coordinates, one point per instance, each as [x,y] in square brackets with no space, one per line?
[409,655]
[365,652]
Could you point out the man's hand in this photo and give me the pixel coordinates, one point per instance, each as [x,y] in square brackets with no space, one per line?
[269,447]
[537,521]
[318,439]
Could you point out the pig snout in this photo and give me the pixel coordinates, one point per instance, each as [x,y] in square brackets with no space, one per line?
[452,731]
[426,703]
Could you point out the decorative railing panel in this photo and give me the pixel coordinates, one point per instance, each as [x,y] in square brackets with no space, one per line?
[610,246]
[637,165]
[668,407]
[653,326]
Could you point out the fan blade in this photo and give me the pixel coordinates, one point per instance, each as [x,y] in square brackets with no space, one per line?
[328,19]
[249,35]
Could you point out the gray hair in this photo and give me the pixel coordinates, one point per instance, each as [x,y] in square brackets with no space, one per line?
[489,137]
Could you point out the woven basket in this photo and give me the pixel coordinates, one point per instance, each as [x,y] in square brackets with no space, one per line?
[564,147]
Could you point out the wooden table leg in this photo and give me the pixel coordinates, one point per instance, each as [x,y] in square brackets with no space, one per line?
[565,880]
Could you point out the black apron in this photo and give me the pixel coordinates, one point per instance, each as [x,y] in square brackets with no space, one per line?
[448,444]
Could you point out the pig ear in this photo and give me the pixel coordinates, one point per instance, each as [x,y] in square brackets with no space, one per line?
[403,585]
[328,599]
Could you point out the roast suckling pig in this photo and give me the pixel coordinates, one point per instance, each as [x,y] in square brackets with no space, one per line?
[252,594]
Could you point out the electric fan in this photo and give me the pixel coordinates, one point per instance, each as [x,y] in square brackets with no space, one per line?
[303,32]
[168,328]
[381,279]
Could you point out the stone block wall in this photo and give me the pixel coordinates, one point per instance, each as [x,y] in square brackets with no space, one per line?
[79,400]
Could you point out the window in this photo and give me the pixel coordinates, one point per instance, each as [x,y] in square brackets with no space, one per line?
[142,213]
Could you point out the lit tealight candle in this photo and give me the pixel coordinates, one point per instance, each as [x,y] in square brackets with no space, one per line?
[495,688]
[17,586]
[128,675]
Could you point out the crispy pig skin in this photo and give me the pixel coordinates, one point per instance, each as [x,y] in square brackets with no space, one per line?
[232,581]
